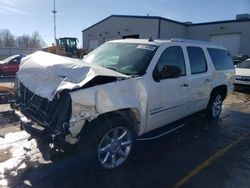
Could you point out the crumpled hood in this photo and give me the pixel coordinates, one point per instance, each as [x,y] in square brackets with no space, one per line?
[45,74]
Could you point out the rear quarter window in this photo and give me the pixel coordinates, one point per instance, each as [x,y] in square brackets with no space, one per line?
[221,59]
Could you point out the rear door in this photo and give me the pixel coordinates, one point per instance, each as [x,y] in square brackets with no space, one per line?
[200,78]
[168,98]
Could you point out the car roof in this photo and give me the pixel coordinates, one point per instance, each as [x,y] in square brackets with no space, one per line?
[159,42]
[13,56]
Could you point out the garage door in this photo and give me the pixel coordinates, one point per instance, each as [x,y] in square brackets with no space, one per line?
[230,41]
[93,44]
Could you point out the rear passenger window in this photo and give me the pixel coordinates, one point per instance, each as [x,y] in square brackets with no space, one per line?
[197,60]
[222,59]
[172,56]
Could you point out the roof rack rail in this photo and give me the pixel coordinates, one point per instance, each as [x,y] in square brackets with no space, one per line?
[150,39]
[195,41]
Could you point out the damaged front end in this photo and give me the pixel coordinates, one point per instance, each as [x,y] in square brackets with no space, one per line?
[41,117]
[44,86]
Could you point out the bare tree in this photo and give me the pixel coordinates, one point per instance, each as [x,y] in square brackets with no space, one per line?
[36,40]
[23,41]
[7,39]
[1,40]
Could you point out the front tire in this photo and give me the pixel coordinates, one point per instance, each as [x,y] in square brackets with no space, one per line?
[107,141]
[215,105]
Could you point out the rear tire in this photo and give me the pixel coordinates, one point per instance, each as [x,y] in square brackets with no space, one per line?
[215,105]
[107,141]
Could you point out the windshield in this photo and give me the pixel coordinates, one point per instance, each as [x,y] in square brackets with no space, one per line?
[126,58]
[70,42]
[6,60]
[244,64]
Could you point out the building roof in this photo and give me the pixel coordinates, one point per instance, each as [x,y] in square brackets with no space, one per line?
[219,22]
[166,19]
[131,16]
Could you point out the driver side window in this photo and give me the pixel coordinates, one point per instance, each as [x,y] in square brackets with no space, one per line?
[172,56]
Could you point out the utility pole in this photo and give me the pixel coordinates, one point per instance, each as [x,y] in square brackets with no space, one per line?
[54,13]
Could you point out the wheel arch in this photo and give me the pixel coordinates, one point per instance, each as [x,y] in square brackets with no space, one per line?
[221,89]
[131,114]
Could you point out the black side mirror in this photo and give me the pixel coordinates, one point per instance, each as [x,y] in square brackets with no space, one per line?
[170,71]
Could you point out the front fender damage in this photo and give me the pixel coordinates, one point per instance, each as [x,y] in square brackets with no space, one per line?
[89,103]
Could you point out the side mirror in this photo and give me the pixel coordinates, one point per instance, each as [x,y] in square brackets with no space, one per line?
[170,71]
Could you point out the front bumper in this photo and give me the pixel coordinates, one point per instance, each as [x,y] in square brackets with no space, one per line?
[241,82]
[38,131]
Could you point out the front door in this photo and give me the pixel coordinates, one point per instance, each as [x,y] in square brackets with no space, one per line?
[168,98]
[199,80]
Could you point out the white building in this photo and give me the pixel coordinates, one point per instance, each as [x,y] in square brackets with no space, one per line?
[233,34]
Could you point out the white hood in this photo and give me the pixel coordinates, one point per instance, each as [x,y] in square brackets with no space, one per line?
[45,74]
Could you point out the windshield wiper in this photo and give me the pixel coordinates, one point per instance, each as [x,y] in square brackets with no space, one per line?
[134,75]
[114,69]
[126,73]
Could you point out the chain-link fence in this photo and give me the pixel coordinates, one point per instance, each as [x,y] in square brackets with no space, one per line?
[6,52]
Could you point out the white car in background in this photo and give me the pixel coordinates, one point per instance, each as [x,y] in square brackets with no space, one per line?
[242,72]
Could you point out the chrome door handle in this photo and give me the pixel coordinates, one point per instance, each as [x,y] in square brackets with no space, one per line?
[207,80]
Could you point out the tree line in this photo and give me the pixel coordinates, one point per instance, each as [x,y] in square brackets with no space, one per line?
[7,39]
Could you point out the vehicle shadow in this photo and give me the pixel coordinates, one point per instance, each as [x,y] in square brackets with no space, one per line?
[68,169]
[244,90]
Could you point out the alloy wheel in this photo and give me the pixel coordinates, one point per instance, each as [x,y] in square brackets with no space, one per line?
[115,147]
[217,105]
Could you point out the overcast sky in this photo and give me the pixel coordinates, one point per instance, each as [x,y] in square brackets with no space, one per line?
[27,16]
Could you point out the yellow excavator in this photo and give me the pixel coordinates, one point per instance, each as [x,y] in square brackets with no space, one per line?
[66,46]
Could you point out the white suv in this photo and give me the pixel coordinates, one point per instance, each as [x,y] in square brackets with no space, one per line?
[120,91]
